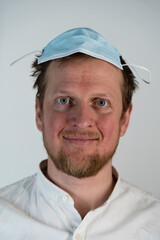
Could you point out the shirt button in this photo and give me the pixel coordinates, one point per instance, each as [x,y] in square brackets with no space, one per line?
[78,237]
[65,198]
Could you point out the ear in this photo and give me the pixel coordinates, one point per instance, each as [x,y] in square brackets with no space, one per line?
[38,115]
[125,120]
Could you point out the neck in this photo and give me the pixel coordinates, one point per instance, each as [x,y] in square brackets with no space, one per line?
[87,193]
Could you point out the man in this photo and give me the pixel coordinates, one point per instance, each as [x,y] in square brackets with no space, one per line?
[83,107]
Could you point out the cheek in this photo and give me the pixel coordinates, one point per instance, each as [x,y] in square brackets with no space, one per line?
[109,129]
[54,124]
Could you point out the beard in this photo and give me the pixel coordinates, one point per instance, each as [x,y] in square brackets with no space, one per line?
[78,164]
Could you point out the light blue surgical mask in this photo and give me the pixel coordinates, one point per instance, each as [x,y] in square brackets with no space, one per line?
[89,42]
[81,40]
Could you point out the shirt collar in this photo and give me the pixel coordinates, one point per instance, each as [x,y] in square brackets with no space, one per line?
[49,190]
[52,191]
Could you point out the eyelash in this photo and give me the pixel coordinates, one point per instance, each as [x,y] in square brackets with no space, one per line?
[100,99]
[71,102]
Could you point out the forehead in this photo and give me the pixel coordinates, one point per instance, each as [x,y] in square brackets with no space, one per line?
[84,73]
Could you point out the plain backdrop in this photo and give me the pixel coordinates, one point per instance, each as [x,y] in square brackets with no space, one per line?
[133,26]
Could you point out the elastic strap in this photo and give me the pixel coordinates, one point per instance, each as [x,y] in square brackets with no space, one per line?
[141,67]
[126,64]
[17,60]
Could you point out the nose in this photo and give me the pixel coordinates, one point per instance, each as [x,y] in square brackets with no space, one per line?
[81,117]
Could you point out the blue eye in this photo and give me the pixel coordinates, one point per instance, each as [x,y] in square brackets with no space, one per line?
[101,102]
[63,100]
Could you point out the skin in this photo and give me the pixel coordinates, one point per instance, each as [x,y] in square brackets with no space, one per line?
[82,127]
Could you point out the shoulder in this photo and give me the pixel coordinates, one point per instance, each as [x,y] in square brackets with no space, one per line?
[138,194]
[14,209]
[17,191]
[136,209]
[140,204]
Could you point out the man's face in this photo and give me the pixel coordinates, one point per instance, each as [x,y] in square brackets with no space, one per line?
[81,119]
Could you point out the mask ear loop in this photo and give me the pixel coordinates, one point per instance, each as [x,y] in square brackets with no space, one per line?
[141,67]
[24,56]
[126,64]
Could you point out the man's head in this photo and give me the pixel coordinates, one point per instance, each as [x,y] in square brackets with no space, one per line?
[88,42]
[83,106]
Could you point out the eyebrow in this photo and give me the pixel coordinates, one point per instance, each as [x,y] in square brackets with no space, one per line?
[102,95]
[64,92]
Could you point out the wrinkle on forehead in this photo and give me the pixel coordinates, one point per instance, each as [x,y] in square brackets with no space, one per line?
[84,74]
[83,61]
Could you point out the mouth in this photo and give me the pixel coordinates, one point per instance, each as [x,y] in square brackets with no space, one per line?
[80,140]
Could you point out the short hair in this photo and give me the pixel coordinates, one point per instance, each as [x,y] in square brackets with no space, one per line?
[39,71]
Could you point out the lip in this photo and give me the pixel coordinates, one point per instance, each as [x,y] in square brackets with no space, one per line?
[80,140]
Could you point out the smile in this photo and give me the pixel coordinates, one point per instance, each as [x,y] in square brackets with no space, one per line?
[80,140]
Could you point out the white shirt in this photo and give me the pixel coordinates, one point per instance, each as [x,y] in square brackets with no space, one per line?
[36,209]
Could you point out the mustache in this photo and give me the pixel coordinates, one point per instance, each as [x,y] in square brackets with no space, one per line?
[81,133]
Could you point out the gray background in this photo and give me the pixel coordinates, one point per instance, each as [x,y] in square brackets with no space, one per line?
[133,26]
